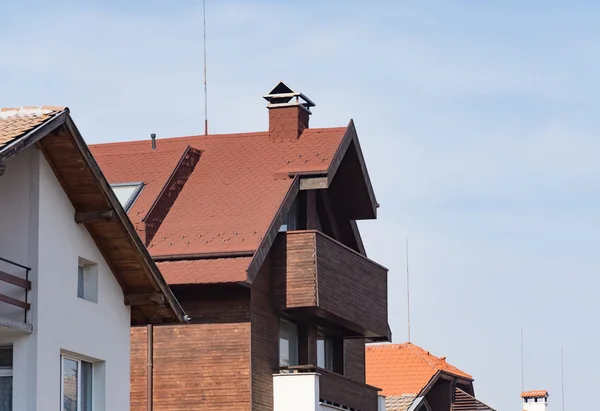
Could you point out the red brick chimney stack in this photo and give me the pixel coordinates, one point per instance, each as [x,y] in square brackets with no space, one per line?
[289,113]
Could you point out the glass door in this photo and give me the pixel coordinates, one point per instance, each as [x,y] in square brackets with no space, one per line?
[6,378]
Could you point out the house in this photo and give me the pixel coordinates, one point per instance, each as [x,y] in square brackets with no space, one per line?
[74,276]
[536,400]
[413,379]
[256,235]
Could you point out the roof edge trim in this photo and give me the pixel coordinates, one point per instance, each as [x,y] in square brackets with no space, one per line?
[154,275]
[267,241]
[33,136]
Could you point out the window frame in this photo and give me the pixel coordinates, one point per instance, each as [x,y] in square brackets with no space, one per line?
[296,345]
[139,185]
[79,362]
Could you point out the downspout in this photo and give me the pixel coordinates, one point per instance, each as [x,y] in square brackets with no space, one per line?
[150,369]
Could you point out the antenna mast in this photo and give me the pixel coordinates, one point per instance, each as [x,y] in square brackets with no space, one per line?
[205,88]
[407,290]
[522,365]
[562,379]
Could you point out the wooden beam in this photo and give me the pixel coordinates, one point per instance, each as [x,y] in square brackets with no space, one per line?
[14,280]
[331,216]
[90,217]
[314,183]
[14,301]
[145,299]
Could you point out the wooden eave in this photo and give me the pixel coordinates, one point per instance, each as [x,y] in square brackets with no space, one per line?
[90,194]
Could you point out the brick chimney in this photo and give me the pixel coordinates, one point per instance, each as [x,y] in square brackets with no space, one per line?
[535,400]
[289,113]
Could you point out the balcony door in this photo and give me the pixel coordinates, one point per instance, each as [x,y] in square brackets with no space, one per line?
[6,378]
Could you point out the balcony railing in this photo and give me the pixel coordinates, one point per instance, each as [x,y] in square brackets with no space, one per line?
[16,281]
[340,391]
[322,276]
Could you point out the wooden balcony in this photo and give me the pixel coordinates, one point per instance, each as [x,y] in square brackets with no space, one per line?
[317,275]
[340,391]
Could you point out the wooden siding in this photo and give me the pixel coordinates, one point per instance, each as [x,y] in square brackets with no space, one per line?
[139,369]
[265,339]
[344,285]
[342,391]
[354,359]
[204,365]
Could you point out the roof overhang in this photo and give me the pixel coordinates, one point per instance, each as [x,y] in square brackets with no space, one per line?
[90,194]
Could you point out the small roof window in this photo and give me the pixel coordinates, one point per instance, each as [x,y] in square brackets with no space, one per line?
[127,193]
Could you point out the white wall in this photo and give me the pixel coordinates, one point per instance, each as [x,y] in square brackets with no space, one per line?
[62,322]
[14,228]
[300,392]
[541,405]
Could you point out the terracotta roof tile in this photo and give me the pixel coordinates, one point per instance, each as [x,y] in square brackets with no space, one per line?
[534,394]
[206,271]
[15,122]
[465,401]
[234,191]
[399,402]
[404,369]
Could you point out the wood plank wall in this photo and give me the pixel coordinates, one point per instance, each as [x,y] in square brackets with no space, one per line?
[354,359]
[351,286]
[204,365]
[265,339]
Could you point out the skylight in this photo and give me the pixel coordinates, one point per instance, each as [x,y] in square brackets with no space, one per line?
[127,193]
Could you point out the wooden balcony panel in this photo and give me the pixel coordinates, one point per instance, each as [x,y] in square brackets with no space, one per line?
[341,391]
[337,281]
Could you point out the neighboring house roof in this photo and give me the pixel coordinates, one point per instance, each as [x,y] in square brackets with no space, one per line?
[466,402]
[399,402]
[96,206]
[405,369]
[534,394]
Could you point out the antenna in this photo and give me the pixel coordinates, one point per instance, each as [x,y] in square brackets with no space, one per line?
[562,379]
[522,365]
[205,88]
[407,290]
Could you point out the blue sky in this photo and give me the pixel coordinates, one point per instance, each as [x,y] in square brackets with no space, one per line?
[478,121]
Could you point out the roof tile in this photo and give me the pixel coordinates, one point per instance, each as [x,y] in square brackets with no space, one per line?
[404,369]
[15,122]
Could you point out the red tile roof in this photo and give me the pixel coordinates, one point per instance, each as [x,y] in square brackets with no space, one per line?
[206,271]
[233,194]
[534,394]
[15,122]
[404,369]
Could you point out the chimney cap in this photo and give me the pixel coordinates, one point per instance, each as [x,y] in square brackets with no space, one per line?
[535,394]
[282,95]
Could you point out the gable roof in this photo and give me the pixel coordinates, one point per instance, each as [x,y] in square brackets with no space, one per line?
[96,206]
[399,402]
[234,191]
[233,202]
[465,402]
[405,369]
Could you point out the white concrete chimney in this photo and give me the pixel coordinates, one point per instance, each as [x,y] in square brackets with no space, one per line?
[535,400]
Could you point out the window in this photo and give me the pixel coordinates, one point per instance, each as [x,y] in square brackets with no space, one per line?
[290,221]
[127,193]
[87,280]
[330,352]
[288,344]
[6,363]
[76,386]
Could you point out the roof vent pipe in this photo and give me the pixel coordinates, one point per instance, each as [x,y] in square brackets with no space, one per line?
[153,137]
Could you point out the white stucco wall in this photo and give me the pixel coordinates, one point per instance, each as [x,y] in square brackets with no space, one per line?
[62,322]
[14,227]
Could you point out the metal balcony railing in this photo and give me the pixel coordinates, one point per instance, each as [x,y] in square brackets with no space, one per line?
[19,282]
